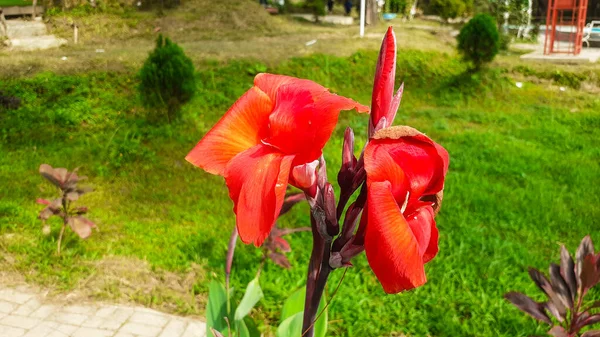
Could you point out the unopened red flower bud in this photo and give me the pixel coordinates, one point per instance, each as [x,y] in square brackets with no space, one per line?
[350,222]
[329,206]
[348,158]
[384,104]
[349,161]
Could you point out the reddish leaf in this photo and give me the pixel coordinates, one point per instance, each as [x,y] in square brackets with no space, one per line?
[51,175]
[589,276]
[529,306]
[591,333]
[590,320]
[580,319]
[82,226]
[553,309]
[560,287]
[543,283]
[280,260]
[42,201]
[586,247]
[282,244]
[53,208]
[567,270]
[558,331]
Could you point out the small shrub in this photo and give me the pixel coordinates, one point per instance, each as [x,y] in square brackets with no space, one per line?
[62,206]
[167,78]
[448,9]
[479,40]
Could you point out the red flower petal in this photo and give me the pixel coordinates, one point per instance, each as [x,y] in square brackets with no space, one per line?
[422,224]
[423,163]
[241,128]
[270,83]
[304,117]
[383,86]
[391,247]
[381,166]
[257,181]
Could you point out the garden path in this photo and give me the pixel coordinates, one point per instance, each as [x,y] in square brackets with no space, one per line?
[24,313]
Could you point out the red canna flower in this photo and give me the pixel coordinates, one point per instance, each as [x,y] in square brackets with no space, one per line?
[384,104]
[405,182]
[271,136]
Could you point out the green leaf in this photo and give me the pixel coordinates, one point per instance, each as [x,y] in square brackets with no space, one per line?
[252,328]
[294,305]
[241,329]
[216,308]
[251,297]
[321,324]
[291,326]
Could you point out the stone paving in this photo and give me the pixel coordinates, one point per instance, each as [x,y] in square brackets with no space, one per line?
[27,314]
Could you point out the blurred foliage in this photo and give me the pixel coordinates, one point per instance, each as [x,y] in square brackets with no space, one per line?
[448,9]
[478,40]
[167,79]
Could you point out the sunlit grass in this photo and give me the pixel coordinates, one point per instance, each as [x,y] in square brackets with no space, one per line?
[524,178]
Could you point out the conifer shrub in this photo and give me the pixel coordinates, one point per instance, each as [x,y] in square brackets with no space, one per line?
[166,79]
[479,40]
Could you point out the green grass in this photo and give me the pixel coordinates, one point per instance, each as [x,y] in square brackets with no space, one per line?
[524,178]
[9,3]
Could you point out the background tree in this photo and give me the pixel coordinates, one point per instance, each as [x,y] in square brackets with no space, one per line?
[479,40]
[167,78]
[448,9]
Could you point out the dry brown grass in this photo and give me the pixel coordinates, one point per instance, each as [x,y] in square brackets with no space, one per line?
[124,48]
[123,280]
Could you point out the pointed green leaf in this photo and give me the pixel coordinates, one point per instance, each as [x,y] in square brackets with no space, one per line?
[295,304]
[291,326]
[252,328]
[216,308]
[241,329]
[251,297]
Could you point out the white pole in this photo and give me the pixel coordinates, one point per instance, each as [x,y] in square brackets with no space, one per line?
[529,11]
[506,15]
[362,17]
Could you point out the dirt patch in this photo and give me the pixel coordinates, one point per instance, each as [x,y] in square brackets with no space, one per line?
[124,280]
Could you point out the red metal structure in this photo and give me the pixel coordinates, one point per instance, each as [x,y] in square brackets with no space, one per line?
[564,26]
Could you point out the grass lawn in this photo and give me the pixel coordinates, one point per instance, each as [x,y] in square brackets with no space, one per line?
[9,3]
[524,178]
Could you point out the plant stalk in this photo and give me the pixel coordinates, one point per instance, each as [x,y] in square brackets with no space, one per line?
[65,204]
[318,273]
[60,236]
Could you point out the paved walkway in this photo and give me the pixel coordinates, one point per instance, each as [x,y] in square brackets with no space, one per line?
[26,314]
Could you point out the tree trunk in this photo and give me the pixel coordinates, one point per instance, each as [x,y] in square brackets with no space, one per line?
[33,15]
[371,15]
